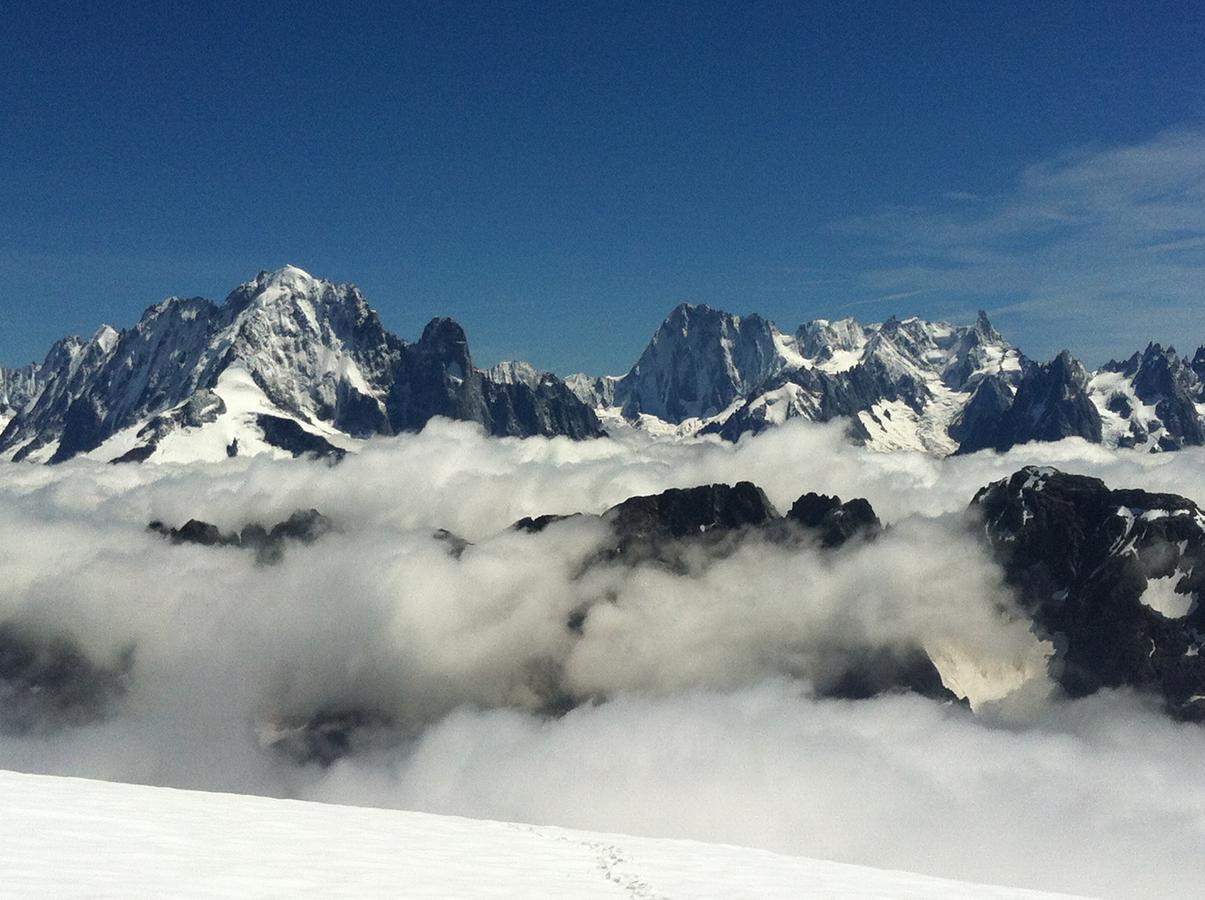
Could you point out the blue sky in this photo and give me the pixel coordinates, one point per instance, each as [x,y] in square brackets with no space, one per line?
[558,176]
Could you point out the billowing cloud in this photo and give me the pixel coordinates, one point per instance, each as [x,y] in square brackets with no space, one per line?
[697,718]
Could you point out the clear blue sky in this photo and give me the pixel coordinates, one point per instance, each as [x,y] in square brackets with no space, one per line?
[558,176]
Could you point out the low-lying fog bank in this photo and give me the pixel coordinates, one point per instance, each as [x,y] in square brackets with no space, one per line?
[694,690]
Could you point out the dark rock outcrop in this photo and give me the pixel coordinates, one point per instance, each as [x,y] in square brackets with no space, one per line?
[454,543]
[48,683]
[668,530]
[834,521]
[436,377]
[1112,577]
[1051,403]
[871,671]
[686,512]
[288,435]
[1160,379]
[1198,366]
[656,527]
[537,524]
[977,426]
[268,544]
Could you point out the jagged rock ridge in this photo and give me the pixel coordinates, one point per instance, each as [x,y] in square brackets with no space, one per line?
[303,526]
[902,384]
[294,364]
[286,346]
[1113,577]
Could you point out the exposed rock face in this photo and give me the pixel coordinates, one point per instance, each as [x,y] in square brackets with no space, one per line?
[823,396]
[436,377]
[455,544]
[700,361]
[48,683]
[658,527]
[654,528]
[303,526]
[1151,400]
[1051,403]
[836,522]
[978,425]
[1198,366]
[514,371]
[869,672]
[597,393]
[61,379]
[687,512]
[288,435]
[1112,577]
[536,524]
[822,340]
[17,388]
[902,384]
[285,346]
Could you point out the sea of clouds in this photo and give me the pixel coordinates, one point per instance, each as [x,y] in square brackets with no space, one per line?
[698,717]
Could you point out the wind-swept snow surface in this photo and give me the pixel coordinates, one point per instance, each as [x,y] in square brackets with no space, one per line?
[68,837]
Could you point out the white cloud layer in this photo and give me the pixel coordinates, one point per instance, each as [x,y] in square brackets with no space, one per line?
[707,729]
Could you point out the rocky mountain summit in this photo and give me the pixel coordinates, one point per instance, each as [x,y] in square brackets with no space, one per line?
[902,385]
[305,526]
[294,364]
[1113,577]
[285,356]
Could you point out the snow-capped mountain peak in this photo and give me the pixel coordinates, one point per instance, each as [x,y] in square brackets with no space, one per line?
[833,345]
[514,371]
[288,361]
[699,361]
[903,381]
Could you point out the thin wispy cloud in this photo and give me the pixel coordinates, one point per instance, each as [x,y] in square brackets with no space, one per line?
[1101,248]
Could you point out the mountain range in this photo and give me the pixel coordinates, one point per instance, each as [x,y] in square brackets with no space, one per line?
[288,363]
[293,364]
[903,384]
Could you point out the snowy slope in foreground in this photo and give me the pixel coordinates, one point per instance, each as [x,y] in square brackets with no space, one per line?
[71,837]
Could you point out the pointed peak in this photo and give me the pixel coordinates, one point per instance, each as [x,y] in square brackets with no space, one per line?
[514,371]
[287,273]
[286,279]
[443,328]
[691,311]
[1157,350]
[983,325]
[105,337]
[446,340]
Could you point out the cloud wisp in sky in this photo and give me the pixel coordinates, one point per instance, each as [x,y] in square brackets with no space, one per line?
[1102,248]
